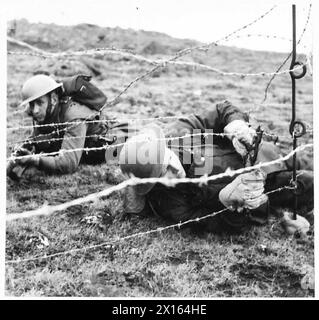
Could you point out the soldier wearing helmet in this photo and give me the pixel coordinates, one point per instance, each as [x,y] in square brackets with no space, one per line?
[244,196]
[47,104]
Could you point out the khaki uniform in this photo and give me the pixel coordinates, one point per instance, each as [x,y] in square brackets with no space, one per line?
[189,201]
[72,136]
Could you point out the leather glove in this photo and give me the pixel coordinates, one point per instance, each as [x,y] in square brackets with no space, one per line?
[291,226]
[241,134]
[245,191]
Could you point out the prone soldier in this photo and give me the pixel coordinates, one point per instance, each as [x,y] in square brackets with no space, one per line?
[244,196]
[61,112]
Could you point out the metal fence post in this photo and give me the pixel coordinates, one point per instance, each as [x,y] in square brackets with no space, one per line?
[296,128]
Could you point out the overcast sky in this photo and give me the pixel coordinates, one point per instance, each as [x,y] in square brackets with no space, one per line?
[203,20]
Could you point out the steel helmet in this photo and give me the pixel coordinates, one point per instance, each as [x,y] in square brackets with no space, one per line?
[143,156]
[38,86]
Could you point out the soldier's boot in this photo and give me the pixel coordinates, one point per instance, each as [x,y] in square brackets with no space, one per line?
[285,197]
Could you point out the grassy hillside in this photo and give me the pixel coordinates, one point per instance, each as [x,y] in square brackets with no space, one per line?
[262,262]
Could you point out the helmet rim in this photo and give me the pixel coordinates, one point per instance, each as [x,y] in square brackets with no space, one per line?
[44,88]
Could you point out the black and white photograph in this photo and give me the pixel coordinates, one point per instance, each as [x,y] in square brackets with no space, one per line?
[159,150]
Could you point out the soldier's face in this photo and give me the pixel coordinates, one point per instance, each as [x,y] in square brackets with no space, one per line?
[38,108]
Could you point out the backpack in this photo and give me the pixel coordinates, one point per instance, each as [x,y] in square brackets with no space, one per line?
[83,91]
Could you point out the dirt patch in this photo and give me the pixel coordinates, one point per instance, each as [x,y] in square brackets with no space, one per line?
[285,281]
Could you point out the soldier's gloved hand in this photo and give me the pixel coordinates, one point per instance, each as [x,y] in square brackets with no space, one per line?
[15,171]
[300,225]
[245,191]
[30,159]
[241,134]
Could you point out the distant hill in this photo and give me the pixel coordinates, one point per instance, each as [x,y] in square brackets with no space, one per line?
[83,36]
[170,90]
[87,36]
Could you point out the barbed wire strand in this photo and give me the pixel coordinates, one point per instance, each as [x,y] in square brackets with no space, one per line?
[177,55]
[117,145]
[186,63]
[182,52]
[120,120]
[61,151]
[56,124]
[309,128]
[231,34]
[37,52]
[25,142]
[112,146]
[258,106]
[168,183]
[135,235]
[160,229]
[288,57]
[238,74]
[48,209]
[265,36]
[161,63]
[106,137]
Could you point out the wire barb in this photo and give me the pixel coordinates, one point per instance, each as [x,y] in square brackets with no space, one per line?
[288,57]
[135,181]
[131,236]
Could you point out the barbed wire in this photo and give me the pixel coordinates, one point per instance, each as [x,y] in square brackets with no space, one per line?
[231,34]
[238,74]
[265,36]
[162,63]
[111,146]
[290,54]
[172,60]
[37,52]
[265,133]
[61,151]
[122,52]
[153,62]
[179,54]
[45,54]
[139,57]
[160,229]
[47,209]
[139,234]
[117,145]
[120,120]
[26,142]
